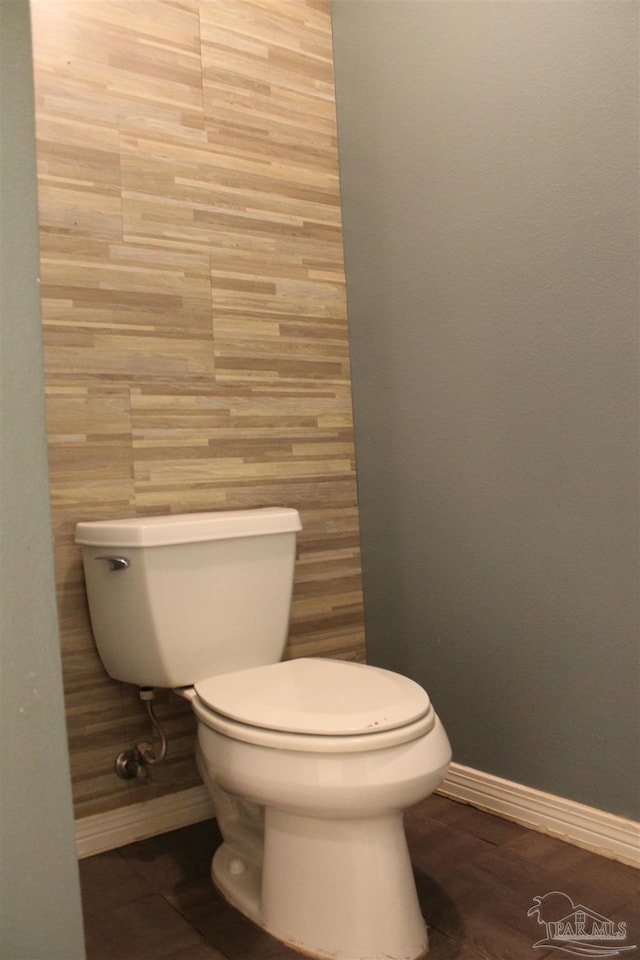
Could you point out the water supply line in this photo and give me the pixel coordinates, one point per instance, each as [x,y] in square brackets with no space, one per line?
[146,749]
[134,763]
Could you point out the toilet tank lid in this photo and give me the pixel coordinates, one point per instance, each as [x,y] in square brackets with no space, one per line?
[187,527]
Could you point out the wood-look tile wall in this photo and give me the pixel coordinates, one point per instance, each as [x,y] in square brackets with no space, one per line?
[194,313]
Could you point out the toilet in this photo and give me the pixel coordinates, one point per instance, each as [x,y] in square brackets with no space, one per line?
[310,762]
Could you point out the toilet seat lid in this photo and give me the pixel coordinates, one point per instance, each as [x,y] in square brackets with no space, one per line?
[316,696]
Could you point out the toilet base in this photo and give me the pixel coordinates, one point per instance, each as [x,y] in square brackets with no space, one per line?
[364,904]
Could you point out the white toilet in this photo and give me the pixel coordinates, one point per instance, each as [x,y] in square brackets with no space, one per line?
[310,762]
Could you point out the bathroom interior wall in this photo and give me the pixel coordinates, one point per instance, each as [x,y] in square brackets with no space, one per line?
[490,206]
[39,884]
[193,300]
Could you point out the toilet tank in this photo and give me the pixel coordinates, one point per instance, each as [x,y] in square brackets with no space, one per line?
[176,599]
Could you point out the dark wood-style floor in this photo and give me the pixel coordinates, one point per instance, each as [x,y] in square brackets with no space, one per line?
[476,875]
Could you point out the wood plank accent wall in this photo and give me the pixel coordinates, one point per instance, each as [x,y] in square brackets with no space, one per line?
[194,313]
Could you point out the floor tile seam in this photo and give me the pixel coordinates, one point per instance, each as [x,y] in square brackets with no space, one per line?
[188,919]
[444,877]
[176,909]
[469,833]
[110,913]
[416,841]
[461,944]
[151,886]
[518,858]
[515,830]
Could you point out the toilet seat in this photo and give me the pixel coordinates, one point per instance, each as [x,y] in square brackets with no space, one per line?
[317,705]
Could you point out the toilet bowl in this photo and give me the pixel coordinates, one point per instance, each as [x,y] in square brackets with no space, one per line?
[305,806]
[309,762]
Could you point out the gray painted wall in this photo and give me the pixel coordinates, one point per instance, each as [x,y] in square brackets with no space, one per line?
[489,169]
[39,889]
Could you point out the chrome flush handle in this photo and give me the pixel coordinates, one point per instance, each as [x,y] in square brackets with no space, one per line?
[116,563]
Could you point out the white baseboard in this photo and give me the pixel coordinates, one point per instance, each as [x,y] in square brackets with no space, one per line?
[138,821]
[596,830]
